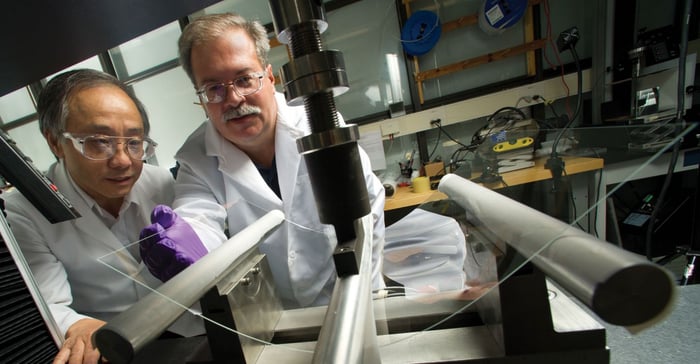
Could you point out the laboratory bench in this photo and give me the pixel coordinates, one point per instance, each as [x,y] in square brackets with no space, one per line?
[405,197]
[525,186]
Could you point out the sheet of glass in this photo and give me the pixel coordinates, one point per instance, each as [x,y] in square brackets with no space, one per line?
[447,261]
[250,296]
[497,228]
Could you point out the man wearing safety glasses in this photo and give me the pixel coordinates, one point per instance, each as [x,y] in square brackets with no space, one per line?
[87,269]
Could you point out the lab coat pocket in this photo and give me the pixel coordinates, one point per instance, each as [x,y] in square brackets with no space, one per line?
[309,259]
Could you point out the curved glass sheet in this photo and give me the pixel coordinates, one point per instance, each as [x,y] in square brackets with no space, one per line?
[468,269]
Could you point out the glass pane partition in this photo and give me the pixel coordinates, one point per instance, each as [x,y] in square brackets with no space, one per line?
[482,268]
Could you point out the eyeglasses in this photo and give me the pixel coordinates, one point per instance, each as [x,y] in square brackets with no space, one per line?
[101,147]
[249,84]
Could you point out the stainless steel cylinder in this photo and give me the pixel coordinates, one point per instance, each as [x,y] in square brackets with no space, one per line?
[322,71]
[620,287]
[123,336]
[289,14]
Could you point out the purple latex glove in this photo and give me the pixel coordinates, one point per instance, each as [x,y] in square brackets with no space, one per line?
[169,244]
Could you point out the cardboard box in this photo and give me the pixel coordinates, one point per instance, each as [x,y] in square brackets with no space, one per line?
[434,169]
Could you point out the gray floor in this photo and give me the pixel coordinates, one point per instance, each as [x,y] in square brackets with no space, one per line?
[677,267]
[674,340]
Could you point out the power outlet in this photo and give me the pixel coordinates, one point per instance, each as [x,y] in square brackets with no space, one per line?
[389,127]
[525,93]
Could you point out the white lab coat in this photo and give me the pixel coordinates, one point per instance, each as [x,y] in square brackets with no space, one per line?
[63,257]
[426,252]
[219,187]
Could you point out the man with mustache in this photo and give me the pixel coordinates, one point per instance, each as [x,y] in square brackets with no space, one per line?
[98,131]
[244,161]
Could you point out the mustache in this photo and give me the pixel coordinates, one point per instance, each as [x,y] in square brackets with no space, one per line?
[241,111]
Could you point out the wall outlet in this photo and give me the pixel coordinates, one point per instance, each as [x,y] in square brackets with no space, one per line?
[527,92]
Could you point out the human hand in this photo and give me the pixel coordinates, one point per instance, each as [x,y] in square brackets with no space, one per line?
[169,244]
[77,348]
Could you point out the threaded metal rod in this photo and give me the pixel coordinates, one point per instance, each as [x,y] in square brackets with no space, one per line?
[321,111]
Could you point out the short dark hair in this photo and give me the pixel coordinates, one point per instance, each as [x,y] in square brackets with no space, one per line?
[52,105]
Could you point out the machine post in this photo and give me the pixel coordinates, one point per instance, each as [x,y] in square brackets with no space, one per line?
[313,77]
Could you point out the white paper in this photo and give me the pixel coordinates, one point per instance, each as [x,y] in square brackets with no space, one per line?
[372,143]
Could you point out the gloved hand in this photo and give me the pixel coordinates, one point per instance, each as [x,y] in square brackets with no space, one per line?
[169,244]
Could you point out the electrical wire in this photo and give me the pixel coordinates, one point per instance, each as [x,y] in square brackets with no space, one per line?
[555,50]
[508,108]
[573,206]
[683,49]
[659,201]
[493,122]
[452,163]
[451,138]
[579,76]
[548,32]
[549,103]
[437,142]
[545,102]
[501,118]
[455,159]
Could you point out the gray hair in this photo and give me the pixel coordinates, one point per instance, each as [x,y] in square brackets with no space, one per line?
[209,27]
[54,98]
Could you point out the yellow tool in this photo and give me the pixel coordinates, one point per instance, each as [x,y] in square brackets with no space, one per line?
[513,144]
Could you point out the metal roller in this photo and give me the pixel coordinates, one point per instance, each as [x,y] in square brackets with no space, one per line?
[348,334]
[122,337]
[620,287]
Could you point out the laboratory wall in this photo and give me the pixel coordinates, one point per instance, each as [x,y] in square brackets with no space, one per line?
[380,73]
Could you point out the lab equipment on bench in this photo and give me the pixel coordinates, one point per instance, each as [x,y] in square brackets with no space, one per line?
[506,143]
[507,305]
